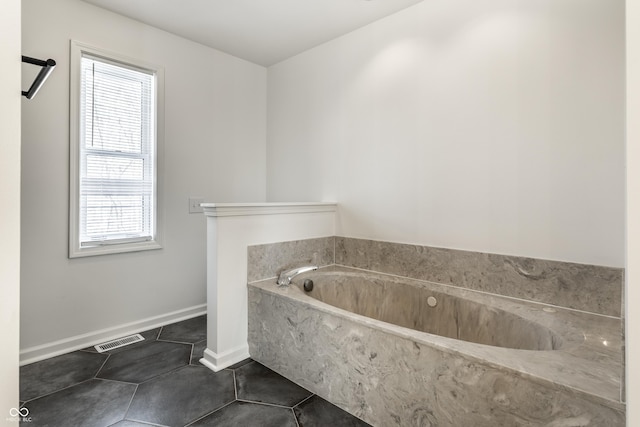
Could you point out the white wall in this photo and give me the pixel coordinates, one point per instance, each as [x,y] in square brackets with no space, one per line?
[215,123]
[10,205]
[487,125]
[633,213]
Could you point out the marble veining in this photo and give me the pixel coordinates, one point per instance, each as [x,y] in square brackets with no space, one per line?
[584,287]
[414,305]
[389,374]
[266,261]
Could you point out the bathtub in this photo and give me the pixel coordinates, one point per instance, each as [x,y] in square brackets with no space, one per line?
[398,351]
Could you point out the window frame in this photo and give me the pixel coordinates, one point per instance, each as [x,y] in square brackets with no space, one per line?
[76,250]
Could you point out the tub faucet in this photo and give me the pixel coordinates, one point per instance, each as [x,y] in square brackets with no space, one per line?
[285,277]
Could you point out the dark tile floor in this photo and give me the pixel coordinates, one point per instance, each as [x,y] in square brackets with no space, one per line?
[159,382]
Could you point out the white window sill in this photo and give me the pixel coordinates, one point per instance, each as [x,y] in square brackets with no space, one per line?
[77,252]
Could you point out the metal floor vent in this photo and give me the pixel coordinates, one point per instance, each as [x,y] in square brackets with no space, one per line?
[117,343]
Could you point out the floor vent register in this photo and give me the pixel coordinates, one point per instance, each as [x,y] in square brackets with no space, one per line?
[117,343]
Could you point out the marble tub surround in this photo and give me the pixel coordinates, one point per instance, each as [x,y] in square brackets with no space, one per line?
[392,375]
[584,287]
[268,260]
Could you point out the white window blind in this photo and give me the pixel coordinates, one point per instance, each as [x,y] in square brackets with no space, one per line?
[116,153]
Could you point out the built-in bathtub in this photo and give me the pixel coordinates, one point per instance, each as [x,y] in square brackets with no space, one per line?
[398,351]
[422,308]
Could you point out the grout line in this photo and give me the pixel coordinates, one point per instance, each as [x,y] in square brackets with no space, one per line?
[304,400]
[263,403]
[235,387]
[130,401]
[60,389]
[176,342]
[146,423]
[165,373]
[193,346]
[210,413]
[103,363]
[295,418]
[115,381]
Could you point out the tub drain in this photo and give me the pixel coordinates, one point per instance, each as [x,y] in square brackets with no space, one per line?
[308,285]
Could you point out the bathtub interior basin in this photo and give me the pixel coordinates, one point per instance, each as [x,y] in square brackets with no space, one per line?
[423,309]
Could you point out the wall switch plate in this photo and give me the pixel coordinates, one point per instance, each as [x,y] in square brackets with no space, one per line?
[194,204]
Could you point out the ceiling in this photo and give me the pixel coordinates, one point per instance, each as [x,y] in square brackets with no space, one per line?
[261,31]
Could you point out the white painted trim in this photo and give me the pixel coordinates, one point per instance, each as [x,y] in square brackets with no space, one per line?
[632,273]
[231,228]
[217,362]
[56,348]
[77,49]
[245,209]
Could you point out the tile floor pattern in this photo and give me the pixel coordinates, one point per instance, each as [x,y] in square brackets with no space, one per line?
[159,382]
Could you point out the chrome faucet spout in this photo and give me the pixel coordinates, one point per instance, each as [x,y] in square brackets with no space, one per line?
[285,277]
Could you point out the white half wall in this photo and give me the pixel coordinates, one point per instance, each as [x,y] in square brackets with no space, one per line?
[215,121]
[231,228]
[10,206]
[491,125]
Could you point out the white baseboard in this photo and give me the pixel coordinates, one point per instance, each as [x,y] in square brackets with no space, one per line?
[217,362]
[56,348]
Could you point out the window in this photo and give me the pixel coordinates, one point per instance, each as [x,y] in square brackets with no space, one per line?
[114,153]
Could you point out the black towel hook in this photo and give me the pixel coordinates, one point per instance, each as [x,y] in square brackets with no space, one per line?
[47,68]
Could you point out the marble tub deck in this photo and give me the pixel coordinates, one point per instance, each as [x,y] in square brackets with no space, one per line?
[587,364]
